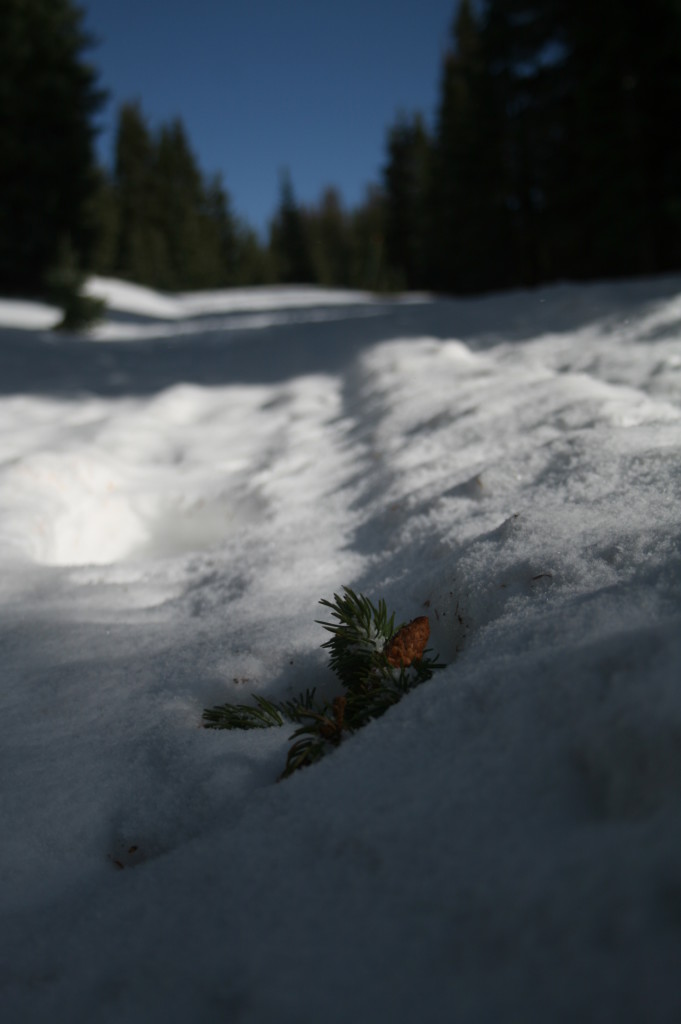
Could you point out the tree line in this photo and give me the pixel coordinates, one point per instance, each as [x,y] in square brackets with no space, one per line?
[163,223]
[554,152]
[556,149]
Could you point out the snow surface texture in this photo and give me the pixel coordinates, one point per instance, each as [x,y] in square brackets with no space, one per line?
[504,844]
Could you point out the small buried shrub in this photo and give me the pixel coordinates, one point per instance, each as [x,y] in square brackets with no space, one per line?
[376,663]
[64,284]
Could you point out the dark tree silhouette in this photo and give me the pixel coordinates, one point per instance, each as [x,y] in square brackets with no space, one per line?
[140,249]
[406,178]
[48,100]
[162,222]
[329,231]
[591,96]
[469,237]
[289,239]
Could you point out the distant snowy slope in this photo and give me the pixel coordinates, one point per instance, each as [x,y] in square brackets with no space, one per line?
[133,298]
[27,315]
[503,845]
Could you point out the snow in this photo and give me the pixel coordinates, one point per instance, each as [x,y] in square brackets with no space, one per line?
[19,313]
[133,298]
[503,844]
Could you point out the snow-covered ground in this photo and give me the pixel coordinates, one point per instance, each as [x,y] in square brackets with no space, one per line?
[177,492]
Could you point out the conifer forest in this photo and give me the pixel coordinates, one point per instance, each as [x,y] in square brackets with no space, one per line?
[554,153]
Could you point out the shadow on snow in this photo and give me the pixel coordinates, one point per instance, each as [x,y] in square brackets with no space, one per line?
[43,362]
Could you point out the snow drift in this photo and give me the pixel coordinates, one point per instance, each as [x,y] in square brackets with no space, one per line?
[501,845]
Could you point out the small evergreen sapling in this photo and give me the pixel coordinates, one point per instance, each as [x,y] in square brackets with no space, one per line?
[64,283]
[376,663]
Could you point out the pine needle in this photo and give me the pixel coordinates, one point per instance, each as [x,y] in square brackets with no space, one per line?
[262,715]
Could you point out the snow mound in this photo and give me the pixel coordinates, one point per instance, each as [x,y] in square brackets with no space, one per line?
[28,315]
[131,298]
[503,843]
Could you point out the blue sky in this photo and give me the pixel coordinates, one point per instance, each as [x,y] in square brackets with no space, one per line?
[261,85]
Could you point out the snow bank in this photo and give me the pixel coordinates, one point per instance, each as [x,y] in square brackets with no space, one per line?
[28,315]
[504,843]
[132,298]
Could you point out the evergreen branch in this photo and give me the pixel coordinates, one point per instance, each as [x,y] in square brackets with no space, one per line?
[262,715]
[358,639]
[376,663]
[305,751]
[324,729]
[294,710]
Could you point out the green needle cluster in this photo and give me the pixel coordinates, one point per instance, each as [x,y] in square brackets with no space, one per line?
[359,638]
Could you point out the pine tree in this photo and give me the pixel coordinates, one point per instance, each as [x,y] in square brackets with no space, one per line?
[591,94]
[220,234]
[468,219]
[105,215]
[625,62]
[330,247]
[48,100]
[368,264]
[253,262]
[179,198]
[172,227]
[141,251]
[289,239]
[406,178]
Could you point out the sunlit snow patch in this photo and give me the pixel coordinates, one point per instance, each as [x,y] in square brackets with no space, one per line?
[80,510]
[70,509]
[28,315]
[93,482]
[133,298]
[97,481]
